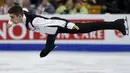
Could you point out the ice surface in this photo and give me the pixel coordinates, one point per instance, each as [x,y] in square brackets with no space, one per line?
[64,62]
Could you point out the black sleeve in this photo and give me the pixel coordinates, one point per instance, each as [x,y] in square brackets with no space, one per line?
[49,45]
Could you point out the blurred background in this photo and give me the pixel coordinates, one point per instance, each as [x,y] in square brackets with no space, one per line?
[102,51]
[69,6]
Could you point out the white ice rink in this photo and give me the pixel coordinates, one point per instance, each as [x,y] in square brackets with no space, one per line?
[64,62]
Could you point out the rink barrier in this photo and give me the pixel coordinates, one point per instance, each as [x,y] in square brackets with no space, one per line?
[67,47]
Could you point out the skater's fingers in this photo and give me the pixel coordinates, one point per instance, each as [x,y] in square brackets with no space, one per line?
[8,26]
[76,27]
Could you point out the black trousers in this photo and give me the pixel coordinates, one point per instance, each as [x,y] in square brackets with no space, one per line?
[89,27]
[83,28]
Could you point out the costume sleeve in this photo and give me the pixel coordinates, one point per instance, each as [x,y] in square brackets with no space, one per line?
[53,22]
[65,23]
[70,25]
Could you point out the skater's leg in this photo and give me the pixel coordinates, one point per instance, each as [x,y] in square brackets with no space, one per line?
[89,27]
[49,45]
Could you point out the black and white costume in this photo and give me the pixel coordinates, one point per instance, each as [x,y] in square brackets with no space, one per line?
[53,26]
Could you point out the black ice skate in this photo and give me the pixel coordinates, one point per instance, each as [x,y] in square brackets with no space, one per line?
[123,26]
[46,51]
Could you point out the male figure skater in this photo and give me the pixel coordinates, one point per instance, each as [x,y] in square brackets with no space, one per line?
[53,26]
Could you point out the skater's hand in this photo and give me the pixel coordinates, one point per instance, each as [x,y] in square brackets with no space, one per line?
[76,27]
[8,26]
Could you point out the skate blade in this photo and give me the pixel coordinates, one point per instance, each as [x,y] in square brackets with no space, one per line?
[126,25]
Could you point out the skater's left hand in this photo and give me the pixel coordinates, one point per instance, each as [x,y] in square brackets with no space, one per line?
[76,27]
[8,26]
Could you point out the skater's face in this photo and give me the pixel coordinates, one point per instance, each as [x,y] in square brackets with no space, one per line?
[16,18]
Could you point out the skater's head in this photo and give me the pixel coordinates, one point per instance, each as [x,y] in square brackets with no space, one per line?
[16,14]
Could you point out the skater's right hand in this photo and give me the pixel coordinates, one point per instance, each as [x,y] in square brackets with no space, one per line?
[76,27]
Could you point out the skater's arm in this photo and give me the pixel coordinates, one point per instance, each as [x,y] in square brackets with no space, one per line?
[54,22]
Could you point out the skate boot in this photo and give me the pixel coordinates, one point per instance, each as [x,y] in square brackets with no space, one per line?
[46,51]
[123,26]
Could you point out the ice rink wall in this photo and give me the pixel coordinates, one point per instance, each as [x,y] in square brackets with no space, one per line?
[19,38]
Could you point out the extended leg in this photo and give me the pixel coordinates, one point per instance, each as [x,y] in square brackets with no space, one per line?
[89,27]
